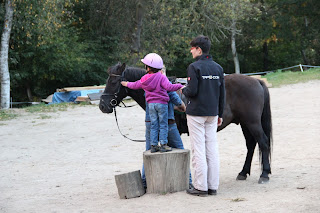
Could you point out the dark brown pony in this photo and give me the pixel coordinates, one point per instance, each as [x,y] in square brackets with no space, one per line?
[247,104]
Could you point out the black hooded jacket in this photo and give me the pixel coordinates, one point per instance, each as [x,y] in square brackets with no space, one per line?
[205,90]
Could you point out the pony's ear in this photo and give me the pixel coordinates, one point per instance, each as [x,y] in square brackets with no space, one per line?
[123,67]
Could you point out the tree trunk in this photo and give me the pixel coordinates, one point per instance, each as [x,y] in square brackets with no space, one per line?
[4,66]
[138,27]
[233,48]
[265,56]
[303,42]
[29,93]
[305,59]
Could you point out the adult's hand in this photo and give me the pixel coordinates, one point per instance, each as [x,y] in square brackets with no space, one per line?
[181,107]
[180,90]
[220,120]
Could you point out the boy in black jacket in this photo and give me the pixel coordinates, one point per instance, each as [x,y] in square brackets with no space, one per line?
[206,97]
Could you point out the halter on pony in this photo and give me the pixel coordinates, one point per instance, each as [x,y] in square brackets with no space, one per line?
[113,103]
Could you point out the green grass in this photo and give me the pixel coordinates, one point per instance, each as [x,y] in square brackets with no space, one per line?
[41,108]
[47,108]
[281,78]
[43,116]
[54,107]
[7,115]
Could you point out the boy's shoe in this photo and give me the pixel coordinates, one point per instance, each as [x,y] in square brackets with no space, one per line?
[197,192]
[154,148]
[212,192]
[165,148]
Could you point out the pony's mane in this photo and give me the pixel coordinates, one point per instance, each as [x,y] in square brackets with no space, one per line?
[134,73]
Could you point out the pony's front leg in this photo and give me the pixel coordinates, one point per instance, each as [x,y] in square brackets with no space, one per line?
[251,144]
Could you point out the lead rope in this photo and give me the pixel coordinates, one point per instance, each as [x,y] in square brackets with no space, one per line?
[115,115]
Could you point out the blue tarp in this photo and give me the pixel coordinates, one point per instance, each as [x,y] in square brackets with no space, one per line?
[60,97]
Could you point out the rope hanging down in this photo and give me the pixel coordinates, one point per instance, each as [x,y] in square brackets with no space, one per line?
[115,115]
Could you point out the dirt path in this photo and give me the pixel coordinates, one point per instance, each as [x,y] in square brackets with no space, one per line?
[67,163]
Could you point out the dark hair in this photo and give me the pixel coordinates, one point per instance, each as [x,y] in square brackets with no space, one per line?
[203,42]
[154,70]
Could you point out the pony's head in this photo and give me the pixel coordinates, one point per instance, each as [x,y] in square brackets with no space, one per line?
[114,92]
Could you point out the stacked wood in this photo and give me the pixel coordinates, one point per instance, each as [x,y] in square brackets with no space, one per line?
[167,172]
[82,99]
[130,185]
[69,89]
[87,98]
[95,96]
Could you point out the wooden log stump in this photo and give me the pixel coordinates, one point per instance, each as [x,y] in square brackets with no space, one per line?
[130,185]
[167,172]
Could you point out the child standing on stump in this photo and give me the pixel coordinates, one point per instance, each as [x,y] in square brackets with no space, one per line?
[156,85]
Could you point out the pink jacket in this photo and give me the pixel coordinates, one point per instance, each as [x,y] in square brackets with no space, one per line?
[156,86]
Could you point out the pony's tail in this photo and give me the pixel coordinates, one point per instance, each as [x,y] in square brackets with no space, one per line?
[266,119]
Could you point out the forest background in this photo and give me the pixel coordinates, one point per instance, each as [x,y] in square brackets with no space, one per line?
[63,43]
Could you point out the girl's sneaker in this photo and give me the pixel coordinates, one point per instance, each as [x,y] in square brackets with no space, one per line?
[154,148]
[165,148]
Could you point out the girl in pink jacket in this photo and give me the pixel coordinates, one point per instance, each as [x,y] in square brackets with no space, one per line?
[156,85]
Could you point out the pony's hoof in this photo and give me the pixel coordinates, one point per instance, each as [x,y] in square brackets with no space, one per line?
[240,177]
[263,180]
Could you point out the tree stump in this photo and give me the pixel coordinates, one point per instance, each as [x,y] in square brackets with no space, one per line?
[167,172]
[130,185]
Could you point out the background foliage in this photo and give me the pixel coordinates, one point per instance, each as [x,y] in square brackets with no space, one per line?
[62,43]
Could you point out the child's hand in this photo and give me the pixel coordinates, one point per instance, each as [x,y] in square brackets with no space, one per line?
[124,83]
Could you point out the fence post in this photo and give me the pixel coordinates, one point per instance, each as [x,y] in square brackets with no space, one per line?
[301,67]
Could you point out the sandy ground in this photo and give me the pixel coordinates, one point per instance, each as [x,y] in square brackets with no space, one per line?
[67,163]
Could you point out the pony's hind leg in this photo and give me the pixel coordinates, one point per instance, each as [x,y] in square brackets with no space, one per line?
[266,169]
[259,135]
[251,144]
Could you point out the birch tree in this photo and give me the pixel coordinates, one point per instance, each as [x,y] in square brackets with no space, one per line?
[224,17]
[136,36]
[4,66]
[233,29]
[231,13]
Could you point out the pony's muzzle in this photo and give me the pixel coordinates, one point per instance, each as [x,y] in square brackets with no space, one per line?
[105,108]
